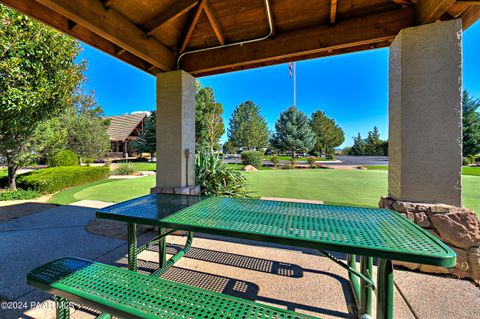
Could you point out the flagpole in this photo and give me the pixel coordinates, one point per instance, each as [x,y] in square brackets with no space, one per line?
[294,84]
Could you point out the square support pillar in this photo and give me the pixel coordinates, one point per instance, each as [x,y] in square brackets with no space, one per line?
[175,131]
[425,114]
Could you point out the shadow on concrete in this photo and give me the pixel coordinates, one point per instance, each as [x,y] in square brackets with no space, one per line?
[13,211]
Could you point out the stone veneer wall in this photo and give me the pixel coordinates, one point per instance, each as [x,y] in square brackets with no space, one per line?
[455,226]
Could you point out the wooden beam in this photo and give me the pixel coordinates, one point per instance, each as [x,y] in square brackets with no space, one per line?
[471,15]
[214,23]
[115,28]
[191,26]
[316,41]
[59,22]
[469,2]
[404,2]
[174,11]
[428,11]
[333,11]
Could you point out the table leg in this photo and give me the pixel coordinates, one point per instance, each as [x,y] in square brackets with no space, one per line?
[385,289]
[62,308]
[366,265]
[132,247]
[162,248]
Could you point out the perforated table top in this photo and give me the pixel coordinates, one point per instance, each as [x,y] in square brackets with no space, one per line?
[354,230]
[128,294]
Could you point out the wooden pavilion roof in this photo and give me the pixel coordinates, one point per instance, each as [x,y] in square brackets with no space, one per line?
[160,35]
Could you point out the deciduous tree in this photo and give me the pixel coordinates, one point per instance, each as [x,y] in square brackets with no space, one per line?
[38,74]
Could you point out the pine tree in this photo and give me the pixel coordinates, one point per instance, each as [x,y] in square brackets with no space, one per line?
[471,125]
[328,134]
[293,132]
[147,141]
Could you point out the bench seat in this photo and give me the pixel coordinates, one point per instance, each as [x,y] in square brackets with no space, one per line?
[126,294]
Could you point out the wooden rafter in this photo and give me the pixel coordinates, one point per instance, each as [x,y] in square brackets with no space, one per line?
[361,32]
[404,2]
[333,11]
[191,26]
[174,11]
[471,15]
[214,23]
[115,28]
[428,11]
[469,2]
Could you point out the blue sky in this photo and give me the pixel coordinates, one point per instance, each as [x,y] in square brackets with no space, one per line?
[351,88]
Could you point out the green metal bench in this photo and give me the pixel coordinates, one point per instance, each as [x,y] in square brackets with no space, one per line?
[127,294]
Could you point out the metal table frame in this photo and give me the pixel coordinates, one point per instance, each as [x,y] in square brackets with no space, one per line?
[154,210]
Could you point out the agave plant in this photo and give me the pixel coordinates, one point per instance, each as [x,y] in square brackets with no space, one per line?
[216,178]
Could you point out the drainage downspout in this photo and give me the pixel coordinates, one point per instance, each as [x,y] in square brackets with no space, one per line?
[270,26]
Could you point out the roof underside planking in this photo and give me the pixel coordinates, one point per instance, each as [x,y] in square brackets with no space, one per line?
[153,34]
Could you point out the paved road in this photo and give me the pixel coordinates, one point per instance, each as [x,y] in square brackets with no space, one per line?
[343,160]
[361,160]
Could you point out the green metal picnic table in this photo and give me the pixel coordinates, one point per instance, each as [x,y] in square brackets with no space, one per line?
[356,231]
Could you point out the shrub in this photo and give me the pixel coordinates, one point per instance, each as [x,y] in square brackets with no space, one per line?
[87,160]
[467,161]
[217,179]
[63,158]
[125,168]
[253,158]
[292,162]
[50,180]
[275,160]
[472,158]
[311,161]
[19,194]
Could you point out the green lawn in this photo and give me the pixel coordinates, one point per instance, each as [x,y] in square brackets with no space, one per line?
[3,172]
[347,187]
[145,166]
[466,170]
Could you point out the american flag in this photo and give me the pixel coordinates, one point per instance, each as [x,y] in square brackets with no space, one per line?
[290,69]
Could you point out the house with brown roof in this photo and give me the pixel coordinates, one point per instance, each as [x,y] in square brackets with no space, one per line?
[122,130]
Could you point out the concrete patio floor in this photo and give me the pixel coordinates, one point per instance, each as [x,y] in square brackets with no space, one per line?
[297,279]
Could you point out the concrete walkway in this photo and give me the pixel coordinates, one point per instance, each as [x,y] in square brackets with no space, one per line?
[297,279]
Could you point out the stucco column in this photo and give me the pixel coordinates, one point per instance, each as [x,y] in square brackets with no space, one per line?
[425,120]
[175,131]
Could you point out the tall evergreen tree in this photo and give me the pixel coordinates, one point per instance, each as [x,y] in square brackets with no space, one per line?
[209,126]
[373,143]
[358,147]
[38,73]
[328,134]
[247,127]
[293,132]
[147,141]
[471,125]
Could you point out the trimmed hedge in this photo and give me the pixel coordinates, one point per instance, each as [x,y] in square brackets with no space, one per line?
[63,158]
[50,180]
[253,158]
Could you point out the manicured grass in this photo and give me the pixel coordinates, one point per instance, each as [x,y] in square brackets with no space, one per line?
[3,172]
[466,170]
[341,187]
[348,187]
[145,166]
[376,168]
[474,171]
[68,196]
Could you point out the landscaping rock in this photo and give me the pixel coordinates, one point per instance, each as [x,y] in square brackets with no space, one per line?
[421,219]
[459,228]
[249,168]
